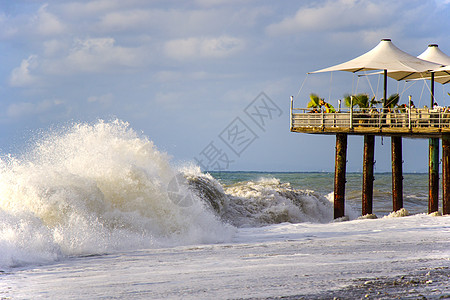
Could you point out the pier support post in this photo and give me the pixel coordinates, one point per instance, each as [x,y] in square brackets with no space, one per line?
[397,173]
[339,175]
[433,175]
[445,174]
[367,184]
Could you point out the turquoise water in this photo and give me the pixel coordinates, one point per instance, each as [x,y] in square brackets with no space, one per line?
[415,187]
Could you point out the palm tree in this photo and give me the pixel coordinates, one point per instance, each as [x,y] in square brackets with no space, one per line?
[315,101]
[362,100]
[392,101]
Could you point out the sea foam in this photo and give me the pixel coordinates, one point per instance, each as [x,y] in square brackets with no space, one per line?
[90,189]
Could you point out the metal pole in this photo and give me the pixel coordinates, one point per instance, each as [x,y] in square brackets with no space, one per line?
[367,184]
[397,173]
[432,89]
[446,174]
[385,88]
[339,175]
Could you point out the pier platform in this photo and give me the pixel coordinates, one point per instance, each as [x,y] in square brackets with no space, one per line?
[413,123]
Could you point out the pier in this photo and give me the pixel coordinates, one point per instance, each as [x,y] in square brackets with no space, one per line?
[422,123]
[391,120]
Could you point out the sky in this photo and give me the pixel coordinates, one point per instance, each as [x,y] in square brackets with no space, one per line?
[208,81]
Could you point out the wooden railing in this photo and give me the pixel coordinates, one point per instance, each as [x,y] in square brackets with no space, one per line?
[372,118]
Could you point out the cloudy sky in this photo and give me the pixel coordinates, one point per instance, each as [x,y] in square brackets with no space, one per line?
[190,73]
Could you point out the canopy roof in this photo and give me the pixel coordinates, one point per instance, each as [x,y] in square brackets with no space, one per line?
[434,54]
[443,75]
[386,56]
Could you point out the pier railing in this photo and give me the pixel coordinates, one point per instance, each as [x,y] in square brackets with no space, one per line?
[371,120]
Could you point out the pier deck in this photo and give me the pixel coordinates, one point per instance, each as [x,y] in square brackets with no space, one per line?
[414,122]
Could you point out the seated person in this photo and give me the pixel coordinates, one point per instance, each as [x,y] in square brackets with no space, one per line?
[328,107]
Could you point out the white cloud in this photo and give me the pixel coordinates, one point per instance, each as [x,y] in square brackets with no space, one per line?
[23,109]
[208,3]
[53,47]
[47,23]
[168,76]
[119,20]
[98,7]
[103,99]
[336,15]
[7,29]
[100,55]
[21,76]
[192,48]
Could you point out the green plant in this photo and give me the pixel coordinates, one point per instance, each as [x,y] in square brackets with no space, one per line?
[361,100]
[314,101]
[392,101]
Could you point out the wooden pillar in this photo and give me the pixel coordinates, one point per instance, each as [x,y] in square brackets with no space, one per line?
[433,164]
[339,175]
[397,173]
[445,174]
[433,175]
[367,184]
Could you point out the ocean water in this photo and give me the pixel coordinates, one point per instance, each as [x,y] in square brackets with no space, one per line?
[415,187]
[97,211]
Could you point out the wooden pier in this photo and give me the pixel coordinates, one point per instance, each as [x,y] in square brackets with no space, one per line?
[432,124]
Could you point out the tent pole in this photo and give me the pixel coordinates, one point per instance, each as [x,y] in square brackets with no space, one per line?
[385,87]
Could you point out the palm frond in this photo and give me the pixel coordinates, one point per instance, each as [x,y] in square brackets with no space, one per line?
[392,101]
[348,100]
[314,101]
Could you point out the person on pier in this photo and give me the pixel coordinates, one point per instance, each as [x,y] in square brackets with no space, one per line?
[328,107]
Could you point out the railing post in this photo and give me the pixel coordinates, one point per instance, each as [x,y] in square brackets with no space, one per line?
[351,112]
[323,121]
[409,113]
[291,110]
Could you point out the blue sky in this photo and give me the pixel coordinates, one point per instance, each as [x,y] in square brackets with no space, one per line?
[186,73]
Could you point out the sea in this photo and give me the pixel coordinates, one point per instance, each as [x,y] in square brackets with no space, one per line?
[96,211]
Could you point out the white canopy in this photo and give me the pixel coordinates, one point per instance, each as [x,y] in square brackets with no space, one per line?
[386,56]
[443,75]
[434,54]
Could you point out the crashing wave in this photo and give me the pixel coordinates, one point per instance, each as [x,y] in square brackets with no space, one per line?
[261,202]
[91,189]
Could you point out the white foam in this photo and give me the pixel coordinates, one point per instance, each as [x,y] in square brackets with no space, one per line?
[91,189]
[268,201]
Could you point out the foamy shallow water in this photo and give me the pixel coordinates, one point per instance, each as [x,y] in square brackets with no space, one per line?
[277,260]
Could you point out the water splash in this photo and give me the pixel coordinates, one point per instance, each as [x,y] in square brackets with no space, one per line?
[261,202]
[90,189]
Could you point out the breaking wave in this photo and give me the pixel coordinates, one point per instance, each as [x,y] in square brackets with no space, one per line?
[91,189]
[97,188]
[261,202]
